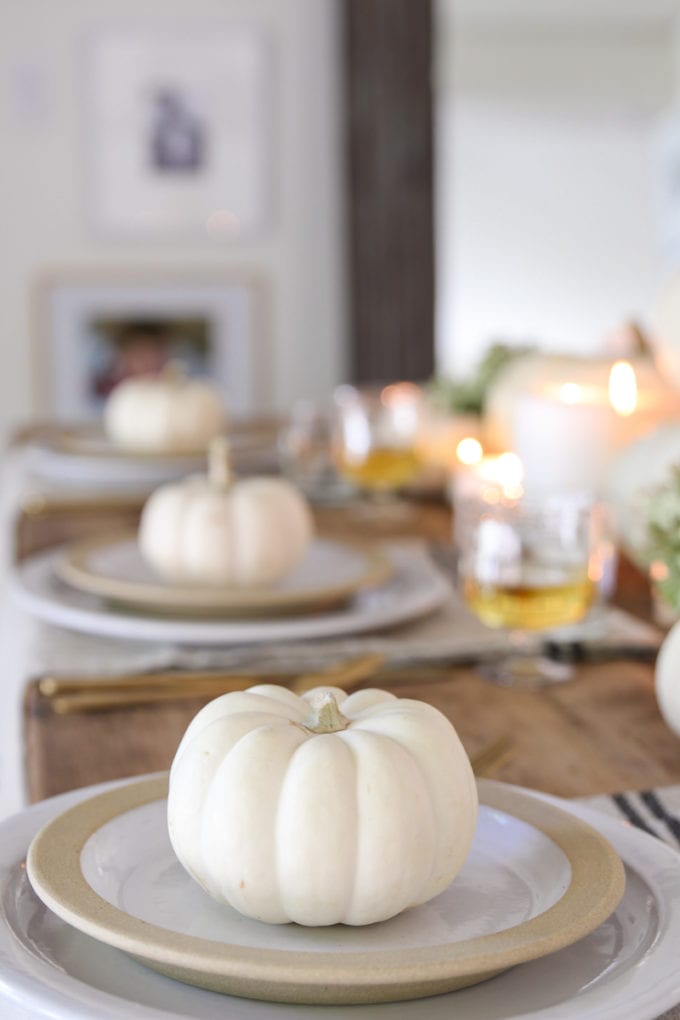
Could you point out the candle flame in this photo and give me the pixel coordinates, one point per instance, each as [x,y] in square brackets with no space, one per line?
[469,451]
[509,475]
[623,388]
[571,393]
[509,469]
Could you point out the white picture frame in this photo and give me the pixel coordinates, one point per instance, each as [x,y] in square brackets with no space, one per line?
[90,332]
[178,134]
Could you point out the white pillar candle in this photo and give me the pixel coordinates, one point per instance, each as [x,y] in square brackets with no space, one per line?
[563,446]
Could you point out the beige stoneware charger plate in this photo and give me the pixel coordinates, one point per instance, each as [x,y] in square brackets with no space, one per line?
[112,568]
[537,880]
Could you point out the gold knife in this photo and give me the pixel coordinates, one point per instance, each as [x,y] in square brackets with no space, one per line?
[84,694]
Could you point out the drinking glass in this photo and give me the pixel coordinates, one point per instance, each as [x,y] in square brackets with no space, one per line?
[529,566]
[376,431]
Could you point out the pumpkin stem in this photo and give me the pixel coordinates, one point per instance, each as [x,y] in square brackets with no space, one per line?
[325,716]
[220,474]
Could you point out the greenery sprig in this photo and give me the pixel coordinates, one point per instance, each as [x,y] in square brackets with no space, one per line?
[468,396]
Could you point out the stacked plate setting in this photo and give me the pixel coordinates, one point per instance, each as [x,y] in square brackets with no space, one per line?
[103,587]
[536,896]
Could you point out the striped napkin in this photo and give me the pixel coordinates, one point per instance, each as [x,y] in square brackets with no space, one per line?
[656,812]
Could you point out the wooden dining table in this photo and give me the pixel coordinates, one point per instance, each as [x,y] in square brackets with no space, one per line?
[599,732]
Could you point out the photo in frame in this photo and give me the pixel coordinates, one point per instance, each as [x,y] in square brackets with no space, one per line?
[91,334]
[178,130]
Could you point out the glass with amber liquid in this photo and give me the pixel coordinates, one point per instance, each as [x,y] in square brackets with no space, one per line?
[528,566]
[375,437]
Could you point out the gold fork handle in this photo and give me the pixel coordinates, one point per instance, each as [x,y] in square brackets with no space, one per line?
[86,695]
[495,754]
[94,701]
[52,686]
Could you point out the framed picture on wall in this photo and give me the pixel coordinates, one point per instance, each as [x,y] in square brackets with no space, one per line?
[178,129]
[93,332]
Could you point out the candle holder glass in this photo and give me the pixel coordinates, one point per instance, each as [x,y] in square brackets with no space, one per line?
[528,567]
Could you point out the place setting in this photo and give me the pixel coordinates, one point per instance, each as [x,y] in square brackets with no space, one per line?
[150,430]
[565,908]
[106,586]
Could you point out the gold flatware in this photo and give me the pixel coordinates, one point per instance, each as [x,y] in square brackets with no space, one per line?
[85,694]
[66,704]
[51,686]
[38,505]
[496,754]
[355,669]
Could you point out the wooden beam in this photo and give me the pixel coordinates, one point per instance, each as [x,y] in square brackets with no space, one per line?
[389,133]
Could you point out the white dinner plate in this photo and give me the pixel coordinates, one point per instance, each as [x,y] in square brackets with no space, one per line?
[81,456]
[536,880]
[625,970]
[415,588]
[112,567]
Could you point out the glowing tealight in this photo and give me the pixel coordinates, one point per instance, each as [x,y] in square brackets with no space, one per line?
[469,451]
[509,470]
[623,388]
[571,393]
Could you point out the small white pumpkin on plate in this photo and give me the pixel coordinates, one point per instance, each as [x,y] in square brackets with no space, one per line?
[321,809]
[166,413]
[217,530]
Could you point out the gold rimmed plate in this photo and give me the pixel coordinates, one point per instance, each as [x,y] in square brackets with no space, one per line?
[537,879]
[112,568]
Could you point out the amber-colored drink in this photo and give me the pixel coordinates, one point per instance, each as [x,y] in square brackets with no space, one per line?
[383,467]
[522,607]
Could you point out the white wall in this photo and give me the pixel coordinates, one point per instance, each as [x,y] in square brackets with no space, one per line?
[42,182]
[547,217]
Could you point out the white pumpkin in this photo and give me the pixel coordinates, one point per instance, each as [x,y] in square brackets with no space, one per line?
[214,530]
[164,413]
[321,809]
[667,679]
